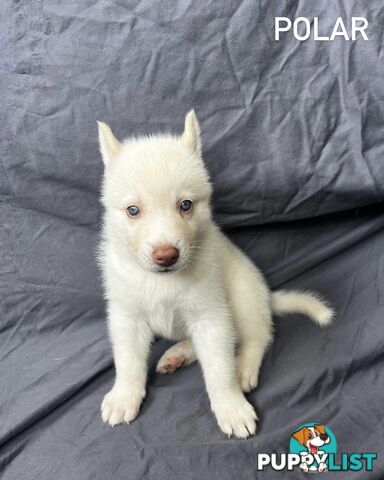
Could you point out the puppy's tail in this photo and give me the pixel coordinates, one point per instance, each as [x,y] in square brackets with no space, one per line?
[302,302]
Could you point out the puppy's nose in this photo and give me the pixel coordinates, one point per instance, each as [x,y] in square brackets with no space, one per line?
[324,437]
[165,255]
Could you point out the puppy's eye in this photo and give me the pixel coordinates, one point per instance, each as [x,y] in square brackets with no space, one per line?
[133,211]
[186,206]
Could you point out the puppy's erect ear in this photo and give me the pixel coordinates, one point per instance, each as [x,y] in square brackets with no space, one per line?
[109,145]
[300,435]
[191,136]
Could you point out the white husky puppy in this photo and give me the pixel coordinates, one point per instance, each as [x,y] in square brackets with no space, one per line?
[169,271]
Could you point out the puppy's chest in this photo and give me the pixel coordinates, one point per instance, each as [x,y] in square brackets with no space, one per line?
[167,320]
[167,307]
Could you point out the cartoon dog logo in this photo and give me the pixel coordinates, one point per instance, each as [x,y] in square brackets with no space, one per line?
[312,438]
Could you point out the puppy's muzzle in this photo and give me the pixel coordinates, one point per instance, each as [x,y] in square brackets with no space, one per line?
[165,255]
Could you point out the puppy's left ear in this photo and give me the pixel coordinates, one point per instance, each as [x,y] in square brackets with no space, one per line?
[109,145]
[191,136]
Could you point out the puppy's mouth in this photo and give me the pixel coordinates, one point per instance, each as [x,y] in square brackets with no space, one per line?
[172,268]
[166,270]
[313,448]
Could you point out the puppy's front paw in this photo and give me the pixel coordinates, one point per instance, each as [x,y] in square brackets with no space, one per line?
[235,416]
[120,406]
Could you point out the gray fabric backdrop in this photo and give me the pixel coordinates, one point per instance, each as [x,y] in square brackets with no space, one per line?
[294,139]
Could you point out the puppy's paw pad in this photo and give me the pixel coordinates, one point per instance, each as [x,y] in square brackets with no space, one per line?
[119,407]
[169,364]
[236,418]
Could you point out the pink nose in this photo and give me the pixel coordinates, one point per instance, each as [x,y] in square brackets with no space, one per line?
[165,255]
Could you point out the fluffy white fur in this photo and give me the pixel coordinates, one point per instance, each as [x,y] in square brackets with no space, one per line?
[213,300]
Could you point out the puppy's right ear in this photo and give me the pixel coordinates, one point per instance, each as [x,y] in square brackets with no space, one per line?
[299,436]
[109,145]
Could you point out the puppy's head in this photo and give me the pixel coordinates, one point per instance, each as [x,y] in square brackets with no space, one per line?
[312,437]
[156,195]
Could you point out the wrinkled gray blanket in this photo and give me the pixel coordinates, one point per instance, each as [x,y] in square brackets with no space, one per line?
[293,136]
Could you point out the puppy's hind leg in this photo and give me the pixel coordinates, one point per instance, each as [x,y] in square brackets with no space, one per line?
[250,304]
[179,355]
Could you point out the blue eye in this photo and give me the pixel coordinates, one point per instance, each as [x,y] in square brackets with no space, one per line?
[186,206]
[133,211]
